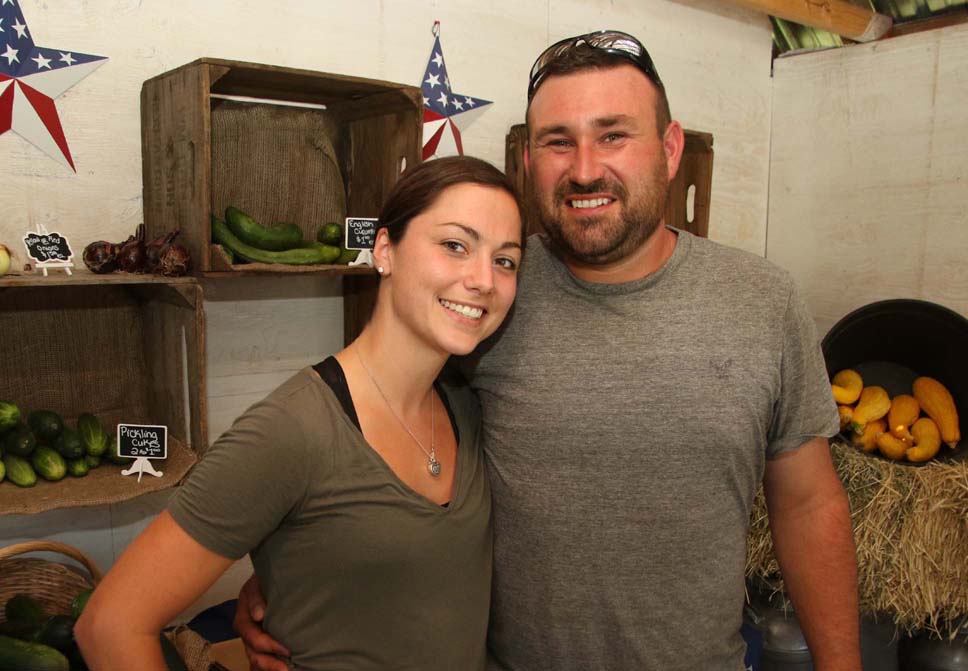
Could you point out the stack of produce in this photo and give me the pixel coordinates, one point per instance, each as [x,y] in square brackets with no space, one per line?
[162,256]
[44,446]
[244,238]
[30,639]
[33,639]
[896,427]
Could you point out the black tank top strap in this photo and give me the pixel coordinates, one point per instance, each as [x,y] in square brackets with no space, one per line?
[332,374]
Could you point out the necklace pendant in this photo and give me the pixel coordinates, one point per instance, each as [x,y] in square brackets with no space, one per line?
[433,466]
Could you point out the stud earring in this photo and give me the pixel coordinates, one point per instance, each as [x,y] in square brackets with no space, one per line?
[379,269]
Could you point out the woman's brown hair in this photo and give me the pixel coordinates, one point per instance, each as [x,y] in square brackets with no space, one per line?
[421,185]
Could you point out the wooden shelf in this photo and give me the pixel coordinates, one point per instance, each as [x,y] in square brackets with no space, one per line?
[82,276]
[124,347]
[102,485]
[279,270]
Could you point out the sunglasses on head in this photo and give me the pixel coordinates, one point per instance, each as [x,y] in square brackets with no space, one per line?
[612,42]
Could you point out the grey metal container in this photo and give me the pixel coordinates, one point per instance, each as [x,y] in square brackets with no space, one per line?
[926,653]
[784,648]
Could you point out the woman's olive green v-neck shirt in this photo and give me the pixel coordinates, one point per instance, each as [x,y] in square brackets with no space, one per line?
[359,571]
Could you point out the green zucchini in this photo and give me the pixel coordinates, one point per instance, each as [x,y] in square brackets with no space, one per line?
[48,464]
[17,655]
[19,471]
[276,238]
[311,253]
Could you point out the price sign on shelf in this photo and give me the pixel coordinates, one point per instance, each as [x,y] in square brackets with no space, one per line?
[49,250]
[142,442]
[360,233]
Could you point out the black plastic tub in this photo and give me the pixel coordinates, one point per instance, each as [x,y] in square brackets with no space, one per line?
[892,342]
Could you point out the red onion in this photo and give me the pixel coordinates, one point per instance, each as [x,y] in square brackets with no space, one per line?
[101,257]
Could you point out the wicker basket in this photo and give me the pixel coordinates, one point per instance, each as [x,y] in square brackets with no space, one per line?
[53,585]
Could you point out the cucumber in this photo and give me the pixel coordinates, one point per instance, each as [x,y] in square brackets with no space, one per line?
[20,441]
[112,452]
[93,435]
[77,467]
[276,238]
[9,416]
[46,425]
[311,254]
[48,464]
[23,608]
[79,602]
[22,630]
[17,655]
[69,444]
[19,471]
[57,632]
[346,255]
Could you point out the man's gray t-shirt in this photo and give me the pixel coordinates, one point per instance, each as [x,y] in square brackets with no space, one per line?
[626,429]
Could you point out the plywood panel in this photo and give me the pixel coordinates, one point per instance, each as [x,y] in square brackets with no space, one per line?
[869,172]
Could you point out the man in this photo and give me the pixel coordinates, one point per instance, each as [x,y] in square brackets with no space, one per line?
[646,383]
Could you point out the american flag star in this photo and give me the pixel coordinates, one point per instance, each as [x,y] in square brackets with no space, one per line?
[446,113]
[30,78]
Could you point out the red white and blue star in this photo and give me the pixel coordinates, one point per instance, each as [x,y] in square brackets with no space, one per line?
[30,78]
[446,113]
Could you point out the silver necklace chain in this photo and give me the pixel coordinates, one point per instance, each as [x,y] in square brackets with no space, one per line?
[433,466]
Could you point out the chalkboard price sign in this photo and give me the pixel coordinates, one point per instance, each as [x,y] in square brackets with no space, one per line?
[48,247]
[143,441]
[360,232]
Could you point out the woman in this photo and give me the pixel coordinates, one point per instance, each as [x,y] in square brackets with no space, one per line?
[357,486]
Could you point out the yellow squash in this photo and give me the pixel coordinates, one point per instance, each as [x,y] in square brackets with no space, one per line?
[927,440]
[904,412]
[867,441]
[891,446]
[938,404]
[873,404]
[846,412]
[846,386]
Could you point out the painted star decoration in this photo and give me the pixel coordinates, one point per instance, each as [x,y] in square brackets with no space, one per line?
[30,78]
[446,113]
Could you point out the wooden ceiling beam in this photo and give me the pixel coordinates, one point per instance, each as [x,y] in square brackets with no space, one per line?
[835,16]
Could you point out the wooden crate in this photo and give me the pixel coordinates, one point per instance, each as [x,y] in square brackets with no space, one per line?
[202,152]
[695,170]
[125,347]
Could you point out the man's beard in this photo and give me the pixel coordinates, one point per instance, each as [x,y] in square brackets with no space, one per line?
[602,240]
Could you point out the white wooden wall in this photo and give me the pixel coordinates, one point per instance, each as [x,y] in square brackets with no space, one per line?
[714,59]
[869,173]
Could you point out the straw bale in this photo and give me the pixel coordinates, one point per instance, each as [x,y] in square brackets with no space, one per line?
[911,530]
